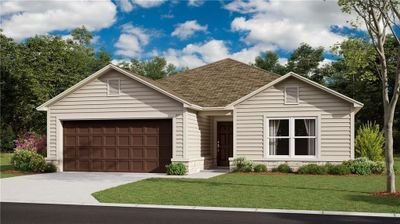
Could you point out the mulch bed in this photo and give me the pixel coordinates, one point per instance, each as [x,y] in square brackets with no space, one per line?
[386,194]
[16,172]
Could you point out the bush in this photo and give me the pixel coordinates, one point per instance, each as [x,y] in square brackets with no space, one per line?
[364,166]
[50,168]
[312,169]
[28,160]
[176,169]
[283,168]
[369,142]
[339,169]
[32,141]
[241,164]
[260,168]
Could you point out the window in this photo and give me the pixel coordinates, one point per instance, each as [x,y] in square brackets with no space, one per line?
[292,95]
[292,136]
[113,87]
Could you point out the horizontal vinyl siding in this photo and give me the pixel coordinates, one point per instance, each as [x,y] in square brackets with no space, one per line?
[135,101]
[198,135]
[334,112]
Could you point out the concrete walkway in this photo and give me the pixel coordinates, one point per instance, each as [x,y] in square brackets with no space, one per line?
[73,187]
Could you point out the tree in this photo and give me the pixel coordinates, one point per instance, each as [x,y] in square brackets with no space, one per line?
[269,61]
[379,17]
[155,68]
[36,70]
[82,35]
[305,61]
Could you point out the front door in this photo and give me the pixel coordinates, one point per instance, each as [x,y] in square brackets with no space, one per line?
[224,142]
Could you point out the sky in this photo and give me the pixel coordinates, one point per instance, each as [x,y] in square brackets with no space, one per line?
[187,33]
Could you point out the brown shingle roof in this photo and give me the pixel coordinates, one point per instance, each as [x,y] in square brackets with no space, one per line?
[217,84]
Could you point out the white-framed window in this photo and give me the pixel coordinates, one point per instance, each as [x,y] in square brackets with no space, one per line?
[291,95]
[291,137]
[113,87]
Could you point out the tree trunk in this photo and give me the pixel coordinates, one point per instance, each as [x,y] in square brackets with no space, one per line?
[388,130]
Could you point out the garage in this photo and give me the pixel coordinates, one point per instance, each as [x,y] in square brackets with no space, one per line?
[117,145]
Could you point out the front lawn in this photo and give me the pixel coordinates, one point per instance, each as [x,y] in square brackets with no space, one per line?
[329,193]
[6,169]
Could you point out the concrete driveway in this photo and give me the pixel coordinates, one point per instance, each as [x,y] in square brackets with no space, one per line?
[72,187]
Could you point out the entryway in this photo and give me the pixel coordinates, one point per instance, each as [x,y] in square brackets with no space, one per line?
[224,142]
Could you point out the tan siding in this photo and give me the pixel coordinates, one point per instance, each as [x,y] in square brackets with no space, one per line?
[334,112]
[199,137]
[135,101]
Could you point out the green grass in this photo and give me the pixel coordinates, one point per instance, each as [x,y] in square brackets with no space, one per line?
[5,164]
[333,193]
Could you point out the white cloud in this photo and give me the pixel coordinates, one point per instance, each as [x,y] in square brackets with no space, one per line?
[22,19]
[195,3]
[194,55]
[131,41]
[187,29]
[325,62]
[283,61]
[129,5]
[289,23]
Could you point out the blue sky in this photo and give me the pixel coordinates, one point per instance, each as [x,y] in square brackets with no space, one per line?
[187,33]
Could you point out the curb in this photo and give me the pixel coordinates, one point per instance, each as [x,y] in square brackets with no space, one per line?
[223,209]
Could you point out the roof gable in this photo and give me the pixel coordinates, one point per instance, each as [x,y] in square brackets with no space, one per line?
[143,80]
[355,103]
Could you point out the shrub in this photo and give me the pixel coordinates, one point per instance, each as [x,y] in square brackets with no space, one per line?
[283,168]
[339,169]
[50,168]
[176,169]
[241,164]
[260,168]
[312,169]
[369,142]
[21,159]
[32,141]
[364,166]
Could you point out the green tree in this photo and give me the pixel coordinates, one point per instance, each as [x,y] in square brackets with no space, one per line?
[82,35]
[36,70]
[379,17]
[155,68]
[305,61]
[269,61]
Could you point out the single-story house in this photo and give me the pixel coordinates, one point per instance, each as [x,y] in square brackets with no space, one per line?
[205,117]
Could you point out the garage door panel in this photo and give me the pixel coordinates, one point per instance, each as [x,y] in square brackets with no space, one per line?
[97,140]
[124,140]
[123,153]
[119,146]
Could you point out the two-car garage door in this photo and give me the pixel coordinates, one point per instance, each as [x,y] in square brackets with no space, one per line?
[117,145]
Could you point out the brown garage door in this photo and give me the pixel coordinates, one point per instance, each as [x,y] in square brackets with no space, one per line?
[117,145]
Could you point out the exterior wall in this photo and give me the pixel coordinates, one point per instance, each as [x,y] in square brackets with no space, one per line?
[198,141]
[334,115]
[136,101]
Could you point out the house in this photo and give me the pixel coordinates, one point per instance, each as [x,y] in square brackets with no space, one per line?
[205,117]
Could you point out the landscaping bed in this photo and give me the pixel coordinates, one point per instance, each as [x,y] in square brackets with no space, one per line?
[6,169]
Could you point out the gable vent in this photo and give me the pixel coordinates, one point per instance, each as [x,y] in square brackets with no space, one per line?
[292,95]
[113,87]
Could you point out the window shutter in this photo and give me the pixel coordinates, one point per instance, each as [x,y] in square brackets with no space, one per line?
[113,87]
[292,95]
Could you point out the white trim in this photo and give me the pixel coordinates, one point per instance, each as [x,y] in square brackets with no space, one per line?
[292,137]
[215,135]
[297,97]
[352,135]
[60,134]
[184,134]
[292,74]
[108,87]
[44,106]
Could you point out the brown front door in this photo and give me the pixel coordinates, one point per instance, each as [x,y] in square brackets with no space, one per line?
[117,145]
[224,142]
